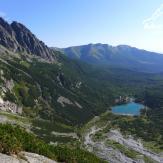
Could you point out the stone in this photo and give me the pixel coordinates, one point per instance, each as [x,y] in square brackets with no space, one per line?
[25,157]
[17,38]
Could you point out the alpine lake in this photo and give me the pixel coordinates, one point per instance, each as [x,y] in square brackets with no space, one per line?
[131,108]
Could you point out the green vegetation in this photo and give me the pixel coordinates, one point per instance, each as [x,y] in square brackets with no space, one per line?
[15,117]
[128,152]
[122,56]
[14,139]
[153,146]
[37,86]
[44,129]
[99,136]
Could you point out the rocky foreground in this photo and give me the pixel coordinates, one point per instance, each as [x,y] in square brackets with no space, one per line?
[114,155]
[25,157]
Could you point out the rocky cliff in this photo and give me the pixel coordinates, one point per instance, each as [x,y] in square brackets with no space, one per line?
[18,38]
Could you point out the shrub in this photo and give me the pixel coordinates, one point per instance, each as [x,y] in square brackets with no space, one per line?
[13,139]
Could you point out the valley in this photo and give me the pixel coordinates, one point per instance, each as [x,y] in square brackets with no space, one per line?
[59,106]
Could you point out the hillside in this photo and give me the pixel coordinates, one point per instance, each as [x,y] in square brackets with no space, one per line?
[68,91]
[121,56]
[14,140]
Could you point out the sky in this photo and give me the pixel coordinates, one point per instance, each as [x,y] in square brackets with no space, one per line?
[63,23]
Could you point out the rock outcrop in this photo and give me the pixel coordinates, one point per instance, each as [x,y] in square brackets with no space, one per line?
[7,36]
[18,38]
[10,107]
[25,157]
[115,155]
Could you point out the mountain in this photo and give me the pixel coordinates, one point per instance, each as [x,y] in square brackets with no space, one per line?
[59,91]
[64,90]
[45,93]
[121,56]
[54,96]
[18,38]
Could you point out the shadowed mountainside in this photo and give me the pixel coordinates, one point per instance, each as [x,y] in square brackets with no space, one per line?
[121,56]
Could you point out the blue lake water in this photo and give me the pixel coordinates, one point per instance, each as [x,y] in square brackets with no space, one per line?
[131,108]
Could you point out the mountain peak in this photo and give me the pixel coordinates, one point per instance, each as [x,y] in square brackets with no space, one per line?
[16,24]
[17,37]
[3,22]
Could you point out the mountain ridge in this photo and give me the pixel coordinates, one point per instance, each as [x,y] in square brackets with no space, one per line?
[121,56]
[17,38]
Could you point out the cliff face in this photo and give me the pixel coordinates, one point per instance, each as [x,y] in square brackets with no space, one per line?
[7,36]
[18,38]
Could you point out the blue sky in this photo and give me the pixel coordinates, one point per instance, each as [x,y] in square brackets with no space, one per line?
[63,23]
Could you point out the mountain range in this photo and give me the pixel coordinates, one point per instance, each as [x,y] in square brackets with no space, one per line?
[75,83]
[122,56]
[18,38]
[54,93]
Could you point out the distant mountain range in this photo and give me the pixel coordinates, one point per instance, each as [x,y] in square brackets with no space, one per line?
[121,56]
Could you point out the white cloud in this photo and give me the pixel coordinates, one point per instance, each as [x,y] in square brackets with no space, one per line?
[150,23]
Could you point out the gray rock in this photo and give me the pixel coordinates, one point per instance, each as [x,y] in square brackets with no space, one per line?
[35,158]
[10,159]
[25,157]
[18,38]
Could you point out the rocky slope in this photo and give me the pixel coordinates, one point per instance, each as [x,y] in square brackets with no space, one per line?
[114,147]
[25,157]
[18,38]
